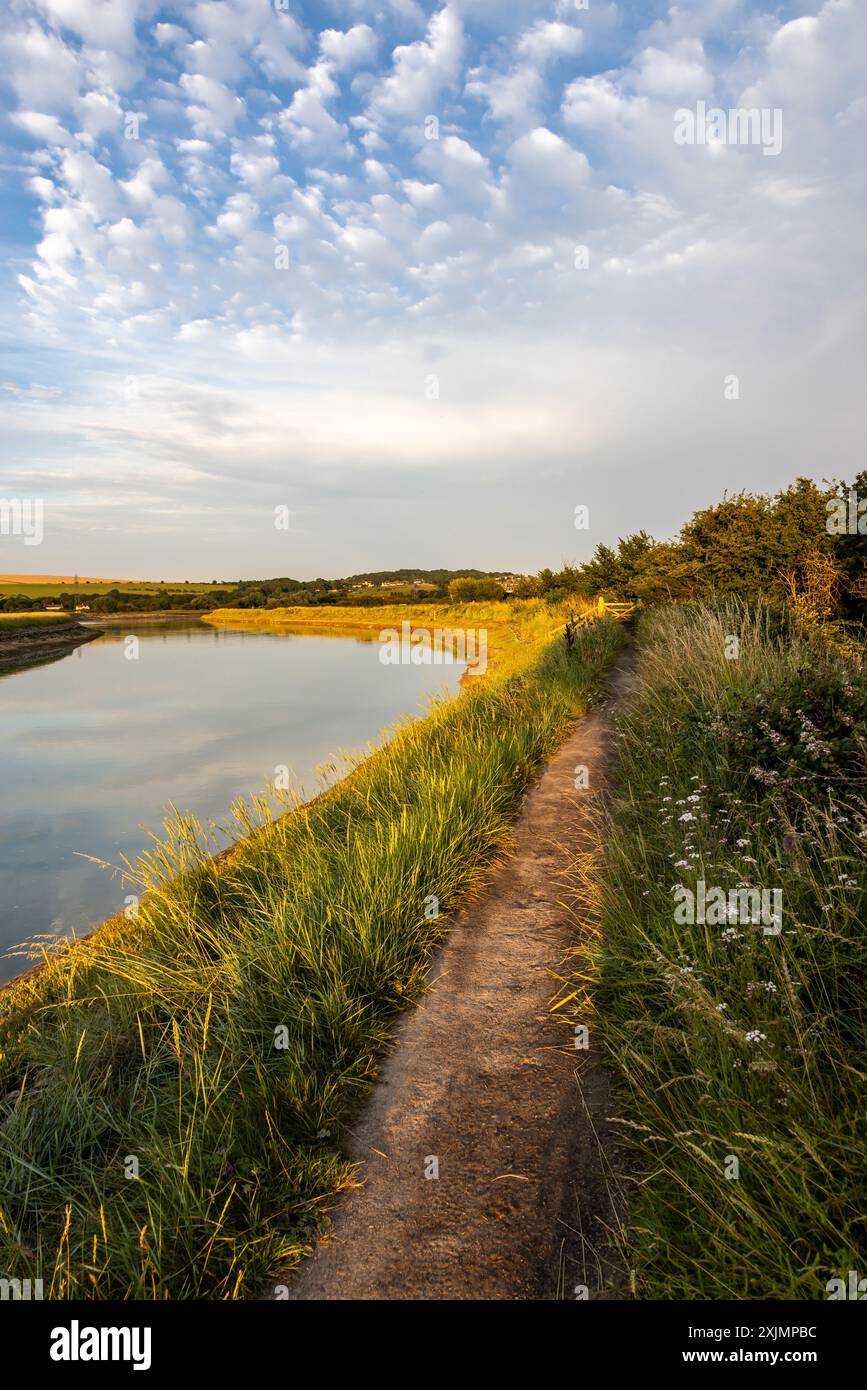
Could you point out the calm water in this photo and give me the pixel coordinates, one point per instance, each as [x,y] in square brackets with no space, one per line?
[94,746]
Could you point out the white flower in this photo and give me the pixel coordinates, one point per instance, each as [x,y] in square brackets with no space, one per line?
[754,1036]
[687,815]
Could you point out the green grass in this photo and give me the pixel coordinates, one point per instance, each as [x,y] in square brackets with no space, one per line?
[731,1042]
[155,1040]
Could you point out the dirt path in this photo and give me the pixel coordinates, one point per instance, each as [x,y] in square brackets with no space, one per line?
[484,1081]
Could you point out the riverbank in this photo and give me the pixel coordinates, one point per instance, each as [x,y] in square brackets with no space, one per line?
[29,637]
[248,1000]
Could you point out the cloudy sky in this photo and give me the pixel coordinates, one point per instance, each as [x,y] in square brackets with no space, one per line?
[327,255]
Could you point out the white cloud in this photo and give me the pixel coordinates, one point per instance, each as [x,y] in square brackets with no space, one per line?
[42,127]
[595,101]
[307,121]
[99,113]
[421,71]
[678,72]
[238,217]
[99,23]
[348,49]
[43,71]
[255,163]
[542,157]
[214,109]
[549,39]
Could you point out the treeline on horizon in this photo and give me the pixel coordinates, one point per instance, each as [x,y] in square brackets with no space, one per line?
[795,545]
[805,544]
[359,590]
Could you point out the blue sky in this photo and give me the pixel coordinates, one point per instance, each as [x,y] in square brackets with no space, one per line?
[327,256]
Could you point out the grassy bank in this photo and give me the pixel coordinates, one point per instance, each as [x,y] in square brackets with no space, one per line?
[741,1051]
[17,622]
[175,1092]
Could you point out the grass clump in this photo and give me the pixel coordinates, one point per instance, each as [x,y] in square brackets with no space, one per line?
[741,1051]
[175,1089]
[14,622]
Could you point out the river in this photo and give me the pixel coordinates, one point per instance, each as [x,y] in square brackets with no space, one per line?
[95,746]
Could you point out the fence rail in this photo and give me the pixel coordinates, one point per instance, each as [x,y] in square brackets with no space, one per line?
[602,609]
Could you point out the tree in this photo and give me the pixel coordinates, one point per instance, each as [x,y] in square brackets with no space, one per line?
[467,590]
[612,573]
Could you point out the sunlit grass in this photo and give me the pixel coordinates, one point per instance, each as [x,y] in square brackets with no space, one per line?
[14,621]
[218,1043]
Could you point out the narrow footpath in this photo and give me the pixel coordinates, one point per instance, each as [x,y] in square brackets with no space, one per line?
[485,1153]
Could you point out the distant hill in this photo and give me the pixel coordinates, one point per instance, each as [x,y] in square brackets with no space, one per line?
[75,593]
[438,577]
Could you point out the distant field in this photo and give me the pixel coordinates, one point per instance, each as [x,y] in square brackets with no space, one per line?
[54,579]
[46,585]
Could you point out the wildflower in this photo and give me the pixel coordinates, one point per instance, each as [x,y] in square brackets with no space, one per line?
[765,776]
[755,1036]
[687,816]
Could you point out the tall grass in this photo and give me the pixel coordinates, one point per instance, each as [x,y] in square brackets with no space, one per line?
[176,1089]
[733,1043]
[13,622]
